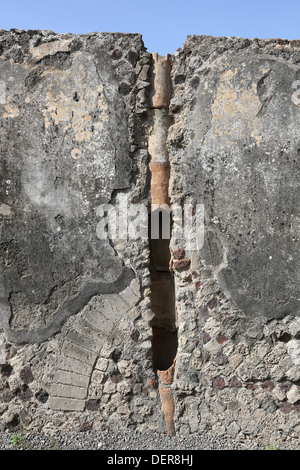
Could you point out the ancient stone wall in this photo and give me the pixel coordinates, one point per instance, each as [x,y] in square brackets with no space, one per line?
[103,324]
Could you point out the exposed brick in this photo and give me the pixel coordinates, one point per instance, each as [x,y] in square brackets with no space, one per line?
[77,352]
[70,378]
[66,404]
[73,365]
[68,391]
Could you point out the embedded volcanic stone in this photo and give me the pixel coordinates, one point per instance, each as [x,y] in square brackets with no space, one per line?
[42,396]
[92,404]
[26,375]
[218,382]
[6,370]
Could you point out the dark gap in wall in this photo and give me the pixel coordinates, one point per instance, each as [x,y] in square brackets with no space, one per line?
[164,324]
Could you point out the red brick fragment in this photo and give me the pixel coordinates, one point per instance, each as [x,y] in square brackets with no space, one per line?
[179,254]
[221,339]
[218,382]
[181,264]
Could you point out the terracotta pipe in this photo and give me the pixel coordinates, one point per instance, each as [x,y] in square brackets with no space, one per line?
[159,101]
[165,381]
[160,175]
[161,82]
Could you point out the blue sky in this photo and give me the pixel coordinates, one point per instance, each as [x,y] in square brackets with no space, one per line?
[164,24]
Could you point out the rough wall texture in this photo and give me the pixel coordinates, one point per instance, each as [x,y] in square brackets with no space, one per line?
[234,146]
[82,130]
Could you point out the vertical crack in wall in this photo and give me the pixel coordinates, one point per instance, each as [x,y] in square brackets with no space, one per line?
[164,324]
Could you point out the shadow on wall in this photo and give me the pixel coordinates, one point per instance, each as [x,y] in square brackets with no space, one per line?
[164,325]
